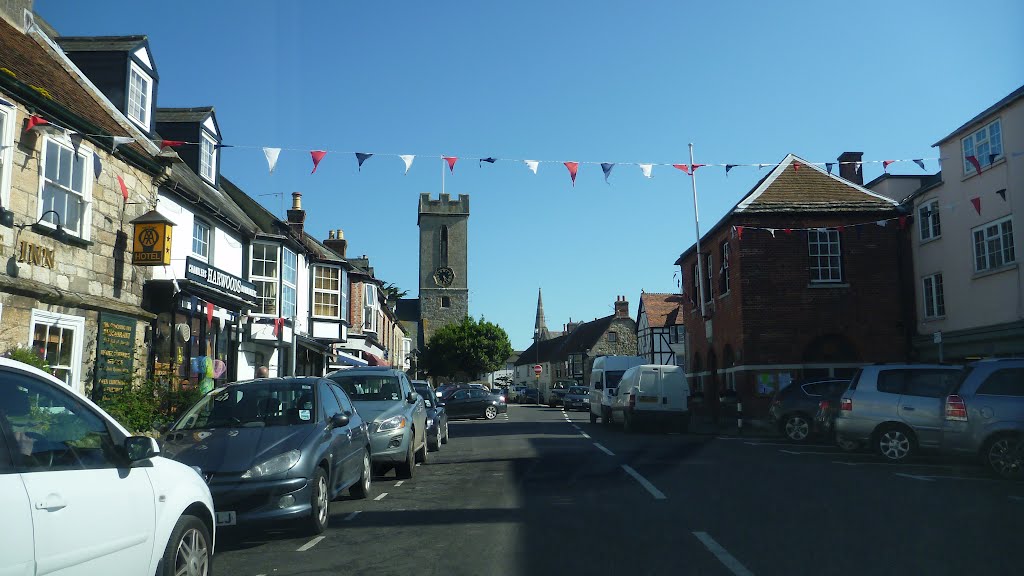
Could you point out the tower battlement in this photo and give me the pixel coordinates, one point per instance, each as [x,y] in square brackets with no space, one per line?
[444,205]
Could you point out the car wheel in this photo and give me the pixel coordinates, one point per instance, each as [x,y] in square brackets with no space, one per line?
[444,439]
[320,505]
[188,549]
[593,418]
[894,443]
[434,444]
[797,428]
[361,489]
[1005,456]
[490,413]
[421,454]
[404,470]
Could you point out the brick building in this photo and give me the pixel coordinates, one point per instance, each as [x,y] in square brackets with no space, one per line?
[803,278]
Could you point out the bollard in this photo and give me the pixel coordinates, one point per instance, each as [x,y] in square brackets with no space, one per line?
[739,416]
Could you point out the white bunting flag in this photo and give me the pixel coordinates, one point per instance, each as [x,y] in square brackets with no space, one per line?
[646,169]
[772,232]
[407,158]
[532,165]
[272,154]
[882,223]
[118,140]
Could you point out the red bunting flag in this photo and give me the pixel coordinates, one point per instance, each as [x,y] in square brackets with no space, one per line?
[209,313]
[317,155]
[787,230]
[572,166]
[885,164]
[451,162]
[977,204]
[278,325]
[172,143]
[694,167]
[683,167]
[739,232]
[974,162]
[840,229]
[124,188]
[796,167]
[34,121]
[903,222]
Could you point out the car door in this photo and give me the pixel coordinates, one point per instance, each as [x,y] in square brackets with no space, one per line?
[419,410]
[922,404]
[92,513]
[458,404]
[479,400]
[17,558]
[357,433]
[339,439]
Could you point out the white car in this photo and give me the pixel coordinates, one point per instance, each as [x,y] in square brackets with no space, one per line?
[80,496]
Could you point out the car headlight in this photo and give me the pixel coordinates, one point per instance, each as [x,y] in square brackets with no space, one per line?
[502,397]
[430,422]
[393,423]
[275,465]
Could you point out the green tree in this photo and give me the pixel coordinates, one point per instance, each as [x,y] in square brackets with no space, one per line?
[467,349]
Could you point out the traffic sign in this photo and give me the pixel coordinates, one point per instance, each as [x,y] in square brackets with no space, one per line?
[537,369]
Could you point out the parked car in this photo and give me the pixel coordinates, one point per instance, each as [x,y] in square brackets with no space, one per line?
[794,408]
[437,416]
[984,415]
[76,487]
[530,396]
[394,412]
[604,377]
[825,423]
[558,391]
[275,449]
[474,403]
[577,398]
[896,409]
[652,393]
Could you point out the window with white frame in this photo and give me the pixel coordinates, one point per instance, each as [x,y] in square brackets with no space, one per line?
[58,339]
[824,250]
[986,145]
[993,245]
[140,95]
[208,158]
[6,154]
[327,292]
[710,265]
[66,187]
[723,281]
[263,273]
[370,307]
[928,217]
[201,239]
[934,302]
[289,281]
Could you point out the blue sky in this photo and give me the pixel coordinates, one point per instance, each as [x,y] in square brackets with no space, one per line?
[587,81]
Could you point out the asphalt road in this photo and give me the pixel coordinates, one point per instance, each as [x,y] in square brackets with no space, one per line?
[543,492]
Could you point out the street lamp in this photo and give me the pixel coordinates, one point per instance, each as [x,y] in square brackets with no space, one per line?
[60,235]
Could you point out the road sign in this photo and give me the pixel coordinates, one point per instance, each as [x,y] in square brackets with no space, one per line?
[537,369]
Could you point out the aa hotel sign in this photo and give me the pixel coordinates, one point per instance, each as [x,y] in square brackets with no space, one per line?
[152,245]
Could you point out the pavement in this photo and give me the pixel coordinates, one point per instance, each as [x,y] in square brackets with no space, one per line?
[539,491]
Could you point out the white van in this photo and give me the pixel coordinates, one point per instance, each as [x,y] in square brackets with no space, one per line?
[604,377]
[652,393]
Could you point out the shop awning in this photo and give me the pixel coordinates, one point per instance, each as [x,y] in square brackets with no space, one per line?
[346,360]
[375,360]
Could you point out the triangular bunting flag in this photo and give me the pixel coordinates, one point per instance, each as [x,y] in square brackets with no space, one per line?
[828,166]
[271,154]
[97,166]
[881,223]
[796,166]
[694,167]
[683,167]
[172,143]
[771,231]
[34,121]
[919,162]
[606,167]
[209,313]
[739,232]
[858,166]
[572,166]
[974,162]
[118,140]
[532,165]
[759,166]
[76,141]
[124,188]
[451,160]
[840,228]
[903,222]
[885,164]
[278,325]
[788,231]
[976,201]
[317,156]
[360,158]
[1002,193]
[646,169]
[407,158]
[489,160]
[729,167]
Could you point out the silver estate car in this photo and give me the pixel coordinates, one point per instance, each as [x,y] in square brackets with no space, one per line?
[394,412]
[896,409]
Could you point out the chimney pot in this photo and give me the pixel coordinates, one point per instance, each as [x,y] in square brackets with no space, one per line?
[296,200]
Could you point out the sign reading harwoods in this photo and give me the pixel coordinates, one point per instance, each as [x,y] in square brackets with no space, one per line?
[206,275]
[152,245]
[115,351]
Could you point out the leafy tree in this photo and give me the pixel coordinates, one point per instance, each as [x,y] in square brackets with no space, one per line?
[466,349]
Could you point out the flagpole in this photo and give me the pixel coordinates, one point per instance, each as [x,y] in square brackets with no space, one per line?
[442,174]
[696,222]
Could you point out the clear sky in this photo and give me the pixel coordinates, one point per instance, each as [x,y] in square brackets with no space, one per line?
[587,81]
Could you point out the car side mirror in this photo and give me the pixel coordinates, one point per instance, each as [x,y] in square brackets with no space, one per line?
[411,398]
[340,420]
[141,447]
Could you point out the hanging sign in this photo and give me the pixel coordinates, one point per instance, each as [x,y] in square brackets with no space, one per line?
[152,246]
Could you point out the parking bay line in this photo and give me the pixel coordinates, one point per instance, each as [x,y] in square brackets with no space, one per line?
[658,494]
[723,555]
[310,544]
[381,496]
[399,483]
[603,449]
[585,435]
[352,516]
[915,477]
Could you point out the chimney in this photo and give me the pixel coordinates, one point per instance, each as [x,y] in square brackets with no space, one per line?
[296,216]
[850,167]
[621,308]
[336,241]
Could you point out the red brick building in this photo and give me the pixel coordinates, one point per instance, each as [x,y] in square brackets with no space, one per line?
[802,280]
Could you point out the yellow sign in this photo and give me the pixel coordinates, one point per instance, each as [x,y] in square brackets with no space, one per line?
[152,244]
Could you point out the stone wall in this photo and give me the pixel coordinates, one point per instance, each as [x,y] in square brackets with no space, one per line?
[434,317]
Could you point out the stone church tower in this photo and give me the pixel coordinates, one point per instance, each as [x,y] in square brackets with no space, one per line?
[444,266]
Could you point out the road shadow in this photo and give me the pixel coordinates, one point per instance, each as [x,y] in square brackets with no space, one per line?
[502,427]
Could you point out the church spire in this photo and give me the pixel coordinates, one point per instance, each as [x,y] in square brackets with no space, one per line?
[540,328]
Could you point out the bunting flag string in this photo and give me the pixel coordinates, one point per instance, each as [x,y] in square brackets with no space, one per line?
[902,221]
[407,158]
[489,160]
[683,167]
[729,167]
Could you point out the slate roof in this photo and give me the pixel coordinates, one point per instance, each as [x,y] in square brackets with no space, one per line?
[197,191]
[408,309]
[584,337]
[549,350]
[1009,99]
[196,114]
[662,310]
[99,43]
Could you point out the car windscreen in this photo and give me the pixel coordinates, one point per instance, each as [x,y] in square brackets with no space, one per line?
[579,391]
[256,404]
[370,387]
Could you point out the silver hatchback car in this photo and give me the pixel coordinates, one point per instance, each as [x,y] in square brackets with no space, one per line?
[896,409]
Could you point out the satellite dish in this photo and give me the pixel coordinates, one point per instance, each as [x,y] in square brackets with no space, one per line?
[184,332]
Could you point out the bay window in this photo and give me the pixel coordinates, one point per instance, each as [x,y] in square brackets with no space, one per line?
[264,275]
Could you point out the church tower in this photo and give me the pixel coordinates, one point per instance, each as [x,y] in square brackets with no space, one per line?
[444,266]
[540,327]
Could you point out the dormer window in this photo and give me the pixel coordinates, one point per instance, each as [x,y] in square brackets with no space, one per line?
[208,158]
[140,96]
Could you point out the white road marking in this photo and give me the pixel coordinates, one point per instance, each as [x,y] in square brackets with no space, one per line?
[603,449]
[381,496]
[727,438]
[352,516]
[399,483]
[723,555]
[418,464]
[915,477]
[658,494]
[576,427]
[310,544]
[585,435]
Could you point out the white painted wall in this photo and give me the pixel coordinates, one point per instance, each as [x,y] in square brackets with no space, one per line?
[228,246]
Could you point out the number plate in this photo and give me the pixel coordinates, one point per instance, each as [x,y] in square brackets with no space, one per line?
[225,518]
